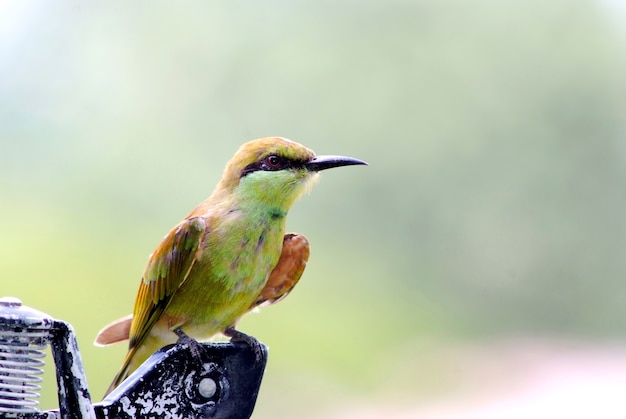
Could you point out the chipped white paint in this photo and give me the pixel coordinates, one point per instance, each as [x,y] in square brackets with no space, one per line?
[128,407]
[76,368]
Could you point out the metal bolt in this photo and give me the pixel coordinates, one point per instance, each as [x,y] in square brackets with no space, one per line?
[207,387]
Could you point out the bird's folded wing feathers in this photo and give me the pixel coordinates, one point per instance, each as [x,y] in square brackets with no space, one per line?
[168,267]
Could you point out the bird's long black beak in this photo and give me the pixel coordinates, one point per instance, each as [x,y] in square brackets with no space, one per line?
[328,162]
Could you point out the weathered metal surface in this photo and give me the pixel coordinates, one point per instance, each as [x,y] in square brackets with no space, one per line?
[74,398]
[222,381]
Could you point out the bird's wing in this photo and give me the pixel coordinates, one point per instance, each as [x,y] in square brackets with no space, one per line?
[287,272]
[168,267]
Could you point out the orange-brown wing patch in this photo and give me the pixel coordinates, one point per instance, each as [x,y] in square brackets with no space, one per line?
[287,272]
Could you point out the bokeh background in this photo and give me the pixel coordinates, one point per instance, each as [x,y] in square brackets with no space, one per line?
[474,269]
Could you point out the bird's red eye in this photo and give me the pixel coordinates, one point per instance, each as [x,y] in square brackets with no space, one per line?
[273,161]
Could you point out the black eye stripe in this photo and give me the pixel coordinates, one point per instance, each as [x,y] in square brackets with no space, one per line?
[272,163]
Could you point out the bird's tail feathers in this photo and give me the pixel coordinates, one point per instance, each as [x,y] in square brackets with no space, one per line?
[124,372]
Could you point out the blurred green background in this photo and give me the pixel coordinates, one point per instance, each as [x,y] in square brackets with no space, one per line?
[493,206]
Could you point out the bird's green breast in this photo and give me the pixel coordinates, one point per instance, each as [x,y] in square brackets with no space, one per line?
[240,249]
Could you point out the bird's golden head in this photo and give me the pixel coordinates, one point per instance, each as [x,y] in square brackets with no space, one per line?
[271,168]
[274,171]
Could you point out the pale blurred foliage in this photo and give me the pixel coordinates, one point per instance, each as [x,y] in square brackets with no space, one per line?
[493,206]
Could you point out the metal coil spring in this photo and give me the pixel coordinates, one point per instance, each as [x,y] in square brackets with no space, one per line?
[21,354]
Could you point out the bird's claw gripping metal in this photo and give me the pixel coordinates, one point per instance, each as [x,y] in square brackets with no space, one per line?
[256,346]
[195,348]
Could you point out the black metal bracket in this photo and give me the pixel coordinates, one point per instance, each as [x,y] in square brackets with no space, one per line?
[223,381]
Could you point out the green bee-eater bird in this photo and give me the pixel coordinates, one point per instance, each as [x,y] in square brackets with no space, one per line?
[228,256]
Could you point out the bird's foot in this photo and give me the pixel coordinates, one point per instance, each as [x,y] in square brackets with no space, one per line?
[237,336]
[196,349]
